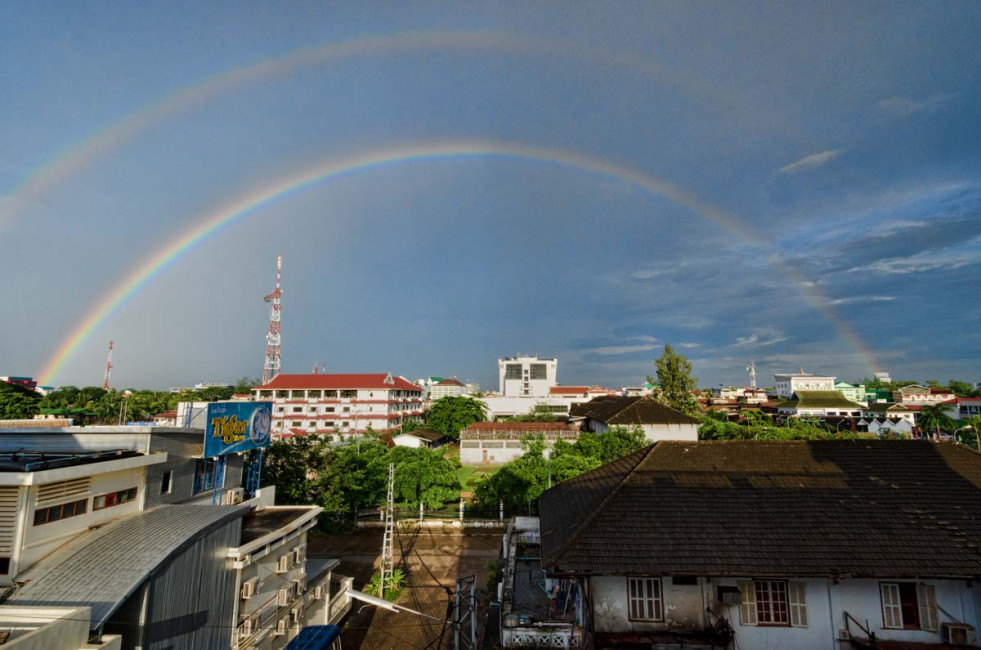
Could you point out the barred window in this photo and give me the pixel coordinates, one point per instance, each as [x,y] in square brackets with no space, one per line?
[539,371]
[645,601]
[512,371]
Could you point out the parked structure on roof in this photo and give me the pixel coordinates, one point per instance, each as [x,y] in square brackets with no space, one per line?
[496,443]
[658,422]
[340,403]
[805,545]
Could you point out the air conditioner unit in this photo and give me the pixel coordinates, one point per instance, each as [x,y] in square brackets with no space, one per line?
[280,627]
[248,589]
[233,497]
[295,614]
[283,598]
[284,564]
[318,593]
[956,633]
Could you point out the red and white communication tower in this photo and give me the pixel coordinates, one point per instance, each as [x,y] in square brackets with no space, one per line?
[105,382]
[271,369]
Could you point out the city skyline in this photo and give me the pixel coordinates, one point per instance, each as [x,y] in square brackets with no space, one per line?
[449,187]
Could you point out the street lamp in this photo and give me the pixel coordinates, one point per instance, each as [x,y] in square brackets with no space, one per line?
[977,435]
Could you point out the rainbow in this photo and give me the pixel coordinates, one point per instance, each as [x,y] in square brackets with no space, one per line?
[214,222]
[76,157]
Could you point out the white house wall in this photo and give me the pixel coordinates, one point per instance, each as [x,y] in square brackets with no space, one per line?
[659,432]
[826,603]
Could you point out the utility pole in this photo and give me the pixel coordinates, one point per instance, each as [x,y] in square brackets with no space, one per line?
[388,562]
[271,367]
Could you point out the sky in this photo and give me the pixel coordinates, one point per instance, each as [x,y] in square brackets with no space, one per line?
[794,184]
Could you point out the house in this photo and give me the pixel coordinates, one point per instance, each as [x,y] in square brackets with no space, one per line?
[819,404]
[346,404]
[788,384]
[915,394]
[887,426]
[496,443]
[891,411]
[807,545]
[852,392]
[659,422]
[420,438]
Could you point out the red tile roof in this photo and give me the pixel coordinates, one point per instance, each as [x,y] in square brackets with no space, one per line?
[564,390]
[339,382]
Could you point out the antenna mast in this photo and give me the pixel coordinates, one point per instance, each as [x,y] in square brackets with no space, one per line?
[271,369]
[105,383]
[751,369]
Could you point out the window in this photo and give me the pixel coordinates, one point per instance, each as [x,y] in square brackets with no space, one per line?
[298,409]
[113,499]
[313,394]
[644,595]
[59,512]
[538,371]
[204,474]
[772,603]
[512,371]
[265,393]
[909,606]
[296,423]
[329,409]
[282,394]
[165,482]
[4,565]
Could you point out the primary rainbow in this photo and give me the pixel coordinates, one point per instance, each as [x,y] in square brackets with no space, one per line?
[76,157]
[213,222]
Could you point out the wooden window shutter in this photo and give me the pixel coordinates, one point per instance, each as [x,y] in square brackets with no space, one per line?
[926,598]
[747,602]
[892,611]
[798,604]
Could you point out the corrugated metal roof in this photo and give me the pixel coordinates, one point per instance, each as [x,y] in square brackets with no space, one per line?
[104,567]
[317,566]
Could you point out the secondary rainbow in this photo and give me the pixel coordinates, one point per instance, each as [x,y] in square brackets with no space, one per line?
[239,208]
[78,156]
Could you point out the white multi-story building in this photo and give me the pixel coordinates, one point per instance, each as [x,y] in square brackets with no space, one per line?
[447,388]
[914,394]
[340,403]
[526,376]
[789,384]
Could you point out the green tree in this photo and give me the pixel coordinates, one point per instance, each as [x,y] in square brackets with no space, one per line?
[962,388]
[18,402]
[245,385]
[617,442]
[424,475]
[540,413]
[970,436]
[675,381]
[450,415]
[934,418]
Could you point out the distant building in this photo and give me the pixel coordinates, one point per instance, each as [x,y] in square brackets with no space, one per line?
[961,408]
[788,384]
[420,439]
[914,394]
[26,382]
[338,403]
[526,376]
[447,388]
[496,443]
[659,422]
[820,404]
[883,377]
[851,392]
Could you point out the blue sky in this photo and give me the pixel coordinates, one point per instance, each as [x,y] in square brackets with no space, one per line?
[842,137]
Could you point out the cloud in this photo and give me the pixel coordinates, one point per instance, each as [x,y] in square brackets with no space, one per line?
[810,161]
[850,299]
[689,345]
[929,260]
[761,337]
[612,350]
[904,106]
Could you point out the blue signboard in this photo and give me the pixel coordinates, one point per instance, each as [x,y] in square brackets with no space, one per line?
[237,426]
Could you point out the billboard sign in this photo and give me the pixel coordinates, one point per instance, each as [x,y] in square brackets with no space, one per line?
[237,426]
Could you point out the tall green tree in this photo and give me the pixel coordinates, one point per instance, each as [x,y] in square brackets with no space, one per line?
[675,381]
[450,415]
[424,476]
[18,402]
[935,419]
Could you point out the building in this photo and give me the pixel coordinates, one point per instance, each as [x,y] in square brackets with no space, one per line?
[659,422]
[155,540]
[447,388]
[895,426]
[961,408]
[852,392]
[526,376]
[26,382]
[787,385]
[890,411]
[707,545]
[820,404]
[496,443]
[914,394]
[340,404]
[420,438]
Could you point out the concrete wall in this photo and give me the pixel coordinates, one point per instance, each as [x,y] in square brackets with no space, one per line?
[683,606]
[658,432]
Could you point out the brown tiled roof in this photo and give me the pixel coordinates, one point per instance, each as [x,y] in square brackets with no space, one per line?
[449,382]
[631,410]
[765,508]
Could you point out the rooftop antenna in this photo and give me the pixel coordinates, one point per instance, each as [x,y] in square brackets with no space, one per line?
[751,369]
[271,368]
[105,382]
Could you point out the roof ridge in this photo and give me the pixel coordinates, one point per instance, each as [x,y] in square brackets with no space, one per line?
[599,507]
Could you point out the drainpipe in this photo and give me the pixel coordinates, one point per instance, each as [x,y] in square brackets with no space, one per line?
[835,644]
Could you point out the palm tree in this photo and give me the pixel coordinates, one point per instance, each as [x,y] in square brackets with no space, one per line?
[935,418]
